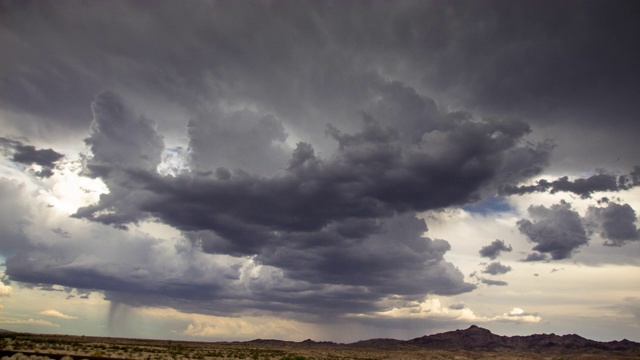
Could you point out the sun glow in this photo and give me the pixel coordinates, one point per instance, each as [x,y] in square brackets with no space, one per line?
[71,191]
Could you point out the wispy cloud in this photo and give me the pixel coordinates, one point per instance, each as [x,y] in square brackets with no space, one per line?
[30,321]
[56,314]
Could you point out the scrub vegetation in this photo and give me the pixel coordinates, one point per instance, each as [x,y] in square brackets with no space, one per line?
[21,346]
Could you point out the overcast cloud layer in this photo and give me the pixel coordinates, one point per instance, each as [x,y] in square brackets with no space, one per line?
[285,159]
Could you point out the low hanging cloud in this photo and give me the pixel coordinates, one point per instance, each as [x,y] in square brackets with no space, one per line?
[615,223]
[584,187]
[493,250]
[29,155]
[557,231]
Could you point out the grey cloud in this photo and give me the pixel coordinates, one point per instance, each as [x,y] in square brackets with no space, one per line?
[119,137]
[496,268]
[535,256]
[557,230]
[241,139]
[15,217]
[119,140]
[306,63]
[584,187]
[393,259]
[494,282]
[494,249]
[29,155]
[615,222]
[526,161]
[410,112]
[251,76]
[323,221]
[371,175]
[526,57]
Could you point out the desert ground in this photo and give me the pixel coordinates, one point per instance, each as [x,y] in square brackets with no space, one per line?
[20,346]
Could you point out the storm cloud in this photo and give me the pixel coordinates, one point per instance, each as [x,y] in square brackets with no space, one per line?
[363,201]
[293,150]
[314,222]
[557,230]
[615,223]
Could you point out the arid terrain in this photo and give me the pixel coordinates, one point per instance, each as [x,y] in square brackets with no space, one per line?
[471,343]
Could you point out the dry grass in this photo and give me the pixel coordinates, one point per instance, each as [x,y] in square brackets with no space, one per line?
[55,346]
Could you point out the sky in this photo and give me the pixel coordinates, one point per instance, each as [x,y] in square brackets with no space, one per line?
[334,170]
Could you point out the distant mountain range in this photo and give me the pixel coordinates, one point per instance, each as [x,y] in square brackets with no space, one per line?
[477,338]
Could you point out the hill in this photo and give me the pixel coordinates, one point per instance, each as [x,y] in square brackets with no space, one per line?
[477,338]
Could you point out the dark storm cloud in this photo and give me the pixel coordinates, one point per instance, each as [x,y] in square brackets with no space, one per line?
[240,139]
[372,175]
[333,230]
[557,230]
[303,57]
[29,155]
[582,187]
[494,249]
[348,220]
[531,57]
[496,268]
[615,222]
[119,140]
[14,219]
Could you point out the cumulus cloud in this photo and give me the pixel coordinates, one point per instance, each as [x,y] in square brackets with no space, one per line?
[119,141]
[615,223]
[120,138]
[493,250]
[56,314]
[5,290]
[519,315]
[432,308]
[45,159]
[496,268]
[557,230]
